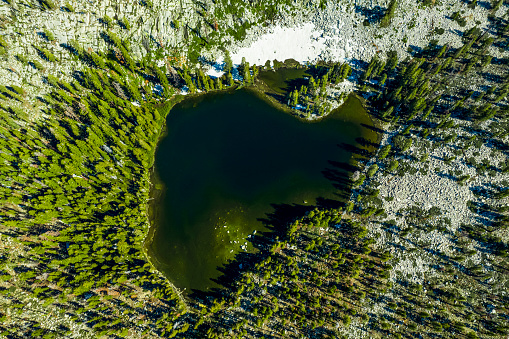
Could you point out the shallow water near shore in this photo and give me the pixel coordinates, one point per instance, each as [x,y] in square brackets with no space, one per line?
[284,78]
[227,162]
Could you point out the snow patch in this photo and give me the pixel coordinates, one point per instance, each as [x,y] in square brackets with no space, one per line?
[217,70]
[302,43]
[184,90]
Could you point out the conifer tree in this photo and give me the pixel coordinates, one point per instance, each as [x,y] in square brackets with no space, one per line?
[389,14]
[295,98]
[230,79]
[246,73]
[384,151]
[311,85]
[228,62]
[393,165]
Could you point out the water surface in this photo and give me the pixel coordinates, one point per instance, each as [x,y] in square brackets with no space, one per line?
[284,79]
[226,160]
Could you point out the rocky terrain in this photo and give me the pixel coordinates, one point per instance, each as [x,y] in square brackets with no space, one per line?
[420,249]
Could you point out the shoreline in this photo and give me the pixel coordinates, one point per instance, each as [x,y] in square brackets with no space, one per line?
[377,123]
[155,193]
[260,89]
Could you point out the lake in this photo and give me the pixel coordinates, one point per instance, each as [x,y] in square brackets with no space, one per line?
[284,79]
[226,161]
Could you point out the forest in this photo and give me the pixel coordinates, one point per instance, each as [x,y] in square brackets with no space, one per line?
[75,187]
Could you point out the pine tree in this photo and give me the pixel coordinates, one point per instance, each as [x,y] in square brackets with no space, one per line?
[218,83]
[392,62]
[162,78]
[372,170]
[98,60]
[246,72]
[230,79]
[228,67]
[384,151]
[442,51]
[393,165]
[427,112]
[311,85]
[295,98]
[189,82]
[389,14]
[346,70]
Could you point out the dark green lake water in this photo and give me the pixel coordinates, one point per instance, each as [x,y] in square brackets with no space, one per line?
[225,160]
[284,79]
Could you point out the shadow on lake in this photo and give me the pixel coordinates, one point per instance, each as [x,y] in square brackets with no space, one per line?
[234,169]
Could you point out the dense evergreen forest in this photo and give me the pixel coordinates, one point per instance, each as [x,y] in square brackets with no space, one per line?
[75,188]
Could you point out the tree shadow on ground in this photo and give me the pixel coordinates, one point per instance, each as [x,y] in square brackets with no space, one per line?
[372,15]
